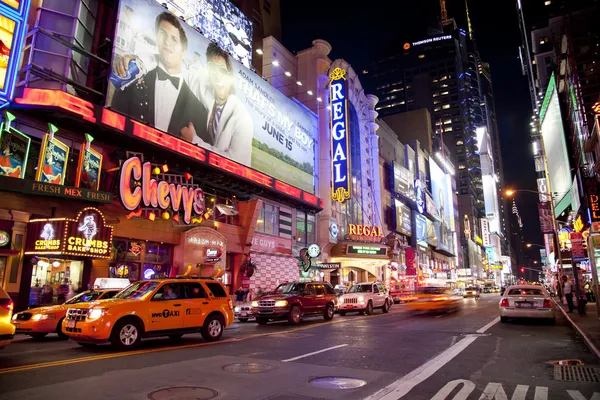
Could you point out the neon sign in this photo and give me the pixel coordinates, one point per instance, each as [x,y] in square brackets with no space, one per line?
[340,159]
[13,20]
[124,125]
[137,186]
[431,40]
[364,230]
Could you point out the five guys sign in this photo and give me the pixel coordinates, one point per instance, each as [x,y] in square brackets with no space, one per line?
[117,122]
[340,159]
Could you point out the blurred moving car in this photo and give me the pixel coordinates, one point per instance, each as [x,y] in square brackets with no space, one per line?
[364,297]
[243,311]
[471,291]
[294,300]
[7,330]
[526,301]
[434,299]
[401,292]
[39,322]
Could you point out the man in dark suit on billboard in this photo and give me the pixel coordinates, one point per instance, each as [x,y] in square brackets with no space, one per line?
[162,98]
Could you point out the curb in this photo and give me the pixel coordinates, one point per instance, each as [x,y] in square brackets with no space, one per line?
[586,339]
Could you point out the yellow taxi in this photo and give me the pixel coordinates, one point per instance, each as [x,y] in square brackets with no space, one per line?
[39,322]
[434,299]
[7,330]
[152,308]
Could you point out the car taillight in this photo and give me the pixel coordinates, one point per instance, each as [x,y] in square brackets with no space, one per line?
[547,304]
[7,304]
[504,303]
[230,303]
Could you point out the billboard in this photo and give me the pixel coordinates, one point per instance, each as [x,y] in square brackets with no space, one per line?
[167,75]
[403,181]
[553,135]
[12,30]
[403,218]
[220,21]
[441,191]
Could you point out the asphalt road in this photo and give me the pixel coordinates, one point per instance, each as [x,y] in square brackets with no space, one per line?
[466,355]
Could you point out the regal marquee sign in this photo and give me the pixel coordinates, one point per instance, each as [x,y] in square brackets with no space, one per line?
[340,141]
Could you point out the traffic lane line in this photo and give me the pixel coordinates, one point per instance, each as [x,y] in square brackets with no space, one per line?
[404,385]
[315,352]
[28,367]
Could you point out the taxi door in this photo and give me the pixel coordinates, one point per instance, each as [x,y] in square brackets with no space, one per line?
[196,305]
[166,307]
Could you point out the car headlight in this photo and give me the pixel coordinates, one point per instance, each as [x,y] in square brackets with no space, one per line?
[341,299]
[281,303]
[255,304]
[237,309]
[38,317]
[14,317]
[361,299]
[95,313]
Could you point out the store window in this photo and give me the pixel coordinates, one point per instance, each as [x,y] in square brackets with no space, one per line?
[268,220]
[53,281]
[138,260]
[305,228]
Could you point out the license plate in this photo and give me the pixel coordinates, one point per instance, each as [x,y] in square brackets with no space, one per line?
[525,305]
[244,314]
[71,324]
[350,306]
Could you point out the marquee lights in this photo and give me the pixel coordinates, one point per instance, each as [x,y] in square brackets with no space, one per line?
[340,159]
[157,193]
[125,125]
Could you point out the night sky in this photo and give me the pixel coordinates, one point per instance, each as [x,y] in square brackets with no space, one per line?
[361,34]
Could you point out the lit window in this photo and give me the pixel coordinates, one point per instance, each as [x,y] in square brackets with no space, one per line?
[459,142]
[461,166]
[448,121]
[448,129]
[547,2]
[421,55]
[437,109]
[435,94]
[446,106]
[443,78]
[444,93]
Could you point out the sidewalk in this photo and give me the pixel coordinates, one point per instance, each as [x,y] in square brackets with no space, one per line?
[587,326]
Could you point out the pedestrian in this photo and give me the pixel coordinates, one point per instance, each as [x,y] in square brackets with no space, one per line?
[62,292]
[47,295]
[568,292]
[34,294]
[240,294]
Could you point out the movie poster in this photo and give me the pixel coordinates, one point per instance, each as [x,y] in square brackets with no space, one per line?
[14,150]
[169,76]
[52,166]
[89,168]
[7,32]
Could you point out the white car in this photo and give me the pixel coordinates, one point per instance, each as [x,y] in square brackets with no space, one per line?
[526,301]
[364,297]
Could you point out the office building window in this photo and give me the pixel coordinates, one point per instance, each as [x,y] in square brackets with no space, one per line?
[268,221]
[305,228]
[446,106]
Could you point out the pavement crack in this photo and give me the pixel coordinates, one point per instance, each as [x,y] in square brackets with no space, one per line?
[475,376]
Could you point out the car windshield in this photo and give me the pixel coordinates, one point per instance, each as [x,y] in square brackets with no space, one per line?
[361,289]
[525,292]
[138,290]
[293,287]
[432,290]
[470,288]
[84,297]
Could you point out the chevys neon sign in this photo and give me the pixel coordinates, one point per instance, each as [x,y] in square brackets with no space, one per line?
[340,159]
[120,123]
[137,186]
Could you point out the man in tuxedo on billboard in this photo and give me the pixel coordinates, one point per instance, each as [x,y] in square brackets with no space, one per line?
[162,98]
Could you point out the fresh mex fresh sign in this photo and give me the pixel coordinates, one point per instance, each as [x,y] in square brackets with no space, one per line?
[340,159]
[138,188]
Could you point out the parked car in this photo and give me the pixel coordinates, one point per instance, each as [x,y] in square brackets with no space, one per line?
[526,301]
[153,308]
[39,322]
[7,330]
[294,301]
[364,297]
[243,311]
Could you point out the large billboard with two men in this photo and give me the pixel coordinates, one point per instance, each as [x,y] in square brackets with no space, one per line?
[168,75]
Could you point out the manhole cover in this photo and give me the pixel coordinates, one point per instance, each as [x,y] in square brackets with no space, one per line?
[337,382]
[248,368]
[183,393]
[574,373]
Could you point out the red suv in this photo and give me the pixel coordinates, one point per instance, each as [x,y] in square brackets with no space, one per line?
[295,300]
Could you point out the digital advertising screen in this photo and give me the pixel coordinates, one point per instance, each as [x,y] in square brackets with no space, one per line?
[441,191]
[169,76]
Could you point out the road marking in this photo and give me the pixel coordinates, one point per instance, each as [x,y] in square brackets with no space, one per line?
[576,395]
[520,392]
[48,364]
[462,394]
[541,393]
[314,352]
[402,386]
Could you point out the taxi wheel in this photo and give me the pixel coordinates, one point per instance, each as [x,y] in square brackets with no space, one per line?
[213,328]
[59,332]
[369,309]
[126,334]
[386,307]
[329,311]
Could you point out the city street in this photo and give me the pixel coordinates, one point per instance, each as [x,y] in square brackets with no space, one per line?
[466,355]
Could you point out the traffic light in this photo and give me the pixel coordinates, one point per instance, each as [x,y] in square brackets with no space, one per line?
[522,269]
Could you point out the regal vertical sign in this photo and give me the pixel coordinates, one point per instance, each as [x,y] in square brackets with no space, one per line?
[340,159]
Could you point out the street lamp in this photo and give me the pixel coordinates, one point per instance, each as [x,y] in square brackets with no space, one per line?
[534,244]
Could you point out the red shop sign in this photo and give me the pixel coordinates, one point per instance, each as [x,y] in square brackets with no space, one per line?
[271,244]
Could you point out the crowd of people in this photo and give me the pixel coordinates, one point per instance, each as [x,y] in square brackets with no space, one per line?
[48,294]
